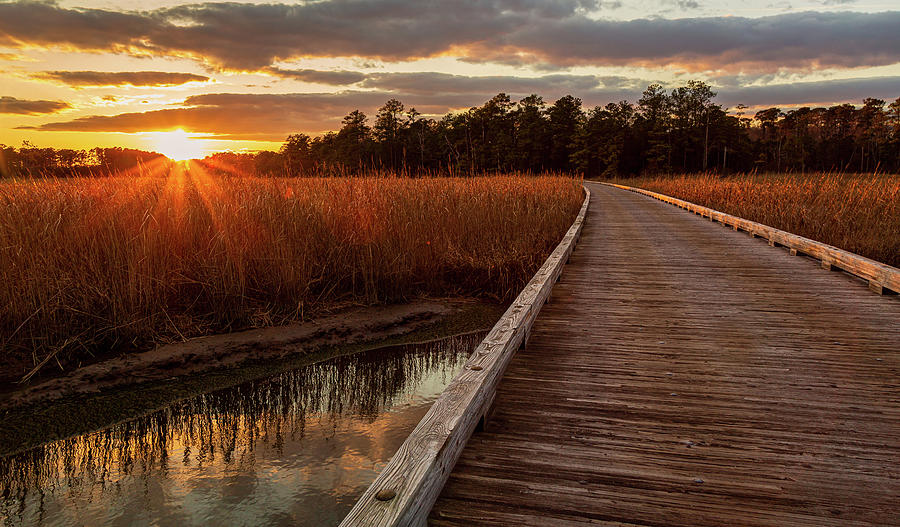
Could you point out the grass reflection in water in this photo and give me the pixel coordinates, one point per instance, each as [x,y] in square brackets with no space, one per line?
[313,437]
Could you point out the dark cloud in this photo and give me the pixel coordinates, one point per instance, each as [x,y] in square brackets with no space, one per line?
[820,93]
[435,83]
[382,29]
[421,83]
[24,107]
[41,23]
[797,41]
[253,36]
[249,116]
[670,6]
[120,78]
[332,78]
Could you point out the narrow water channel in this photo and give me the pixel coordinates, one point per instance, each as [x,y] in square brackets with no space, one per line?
[295,449]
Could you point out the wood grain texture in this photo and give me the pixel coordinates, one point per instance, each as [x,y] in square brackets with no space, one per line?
[688,375]
[871,270]
[419,469]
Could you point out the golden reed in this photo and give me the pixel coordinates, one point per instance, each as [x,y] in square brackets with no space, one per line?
[123,263]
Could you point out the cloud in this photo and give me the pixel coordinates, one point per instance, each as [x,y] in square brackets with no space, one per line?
[29,23]
[795,41]
[819,93]
[120,78]
[421,83]
[684,5]
[24,107]
[435,83]
[547,33]
[235,116]
[332,78]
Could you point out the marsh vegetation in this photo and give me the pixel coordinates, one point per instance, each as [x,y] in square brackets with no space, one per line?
[91,265]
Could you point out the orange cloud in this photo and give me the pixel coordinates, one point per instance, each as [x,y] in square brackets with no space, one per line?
[120,78]
[25,107]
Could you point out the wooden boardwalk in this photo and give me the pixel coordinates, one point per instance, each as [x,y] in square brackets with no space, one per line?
[687,374]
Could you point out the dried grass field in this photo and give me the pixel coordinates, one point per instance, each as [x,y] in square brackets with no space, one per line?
[122,263]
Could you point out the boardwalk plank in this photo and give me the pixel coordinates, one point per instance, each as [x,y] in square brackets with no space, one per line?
[686,374]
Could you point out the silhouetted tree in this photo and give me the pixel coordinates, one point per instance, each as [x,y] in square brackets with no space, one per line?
[389,125]
[655,109]
[532,134]
[566,118]
[295,153]
[354,142]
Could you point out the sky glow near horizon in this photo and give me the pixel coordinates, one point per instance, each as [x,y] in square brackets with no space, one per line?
[82,73]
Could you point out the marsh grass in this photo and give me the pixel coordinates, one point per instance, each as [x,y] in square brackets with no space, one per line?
[91,266]
[859,213]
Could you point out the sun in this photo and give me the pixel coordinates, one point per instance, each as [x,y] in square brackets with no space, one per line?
[178,145]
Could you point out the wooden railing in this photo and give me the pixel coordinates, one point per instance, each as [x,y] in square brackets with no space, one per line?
[407,488]
[882,278]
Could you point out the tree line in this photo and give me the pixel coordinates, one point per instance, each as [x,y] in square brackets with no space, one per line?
[678,130]
[682,130]
[63,162]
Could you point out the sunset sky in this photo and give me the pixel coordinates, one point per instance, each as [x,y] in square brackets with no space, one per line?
[83,73]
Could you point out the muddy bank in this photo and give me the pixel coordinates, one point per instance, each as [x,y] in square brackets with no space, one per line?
[122,388]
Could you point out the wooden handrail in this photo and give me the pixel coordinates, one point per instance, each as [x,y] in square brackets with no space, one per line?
[405,491]
[879,275]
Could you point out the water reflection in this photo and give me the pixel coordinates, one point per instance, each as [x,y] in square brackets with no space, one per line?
[297,448]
